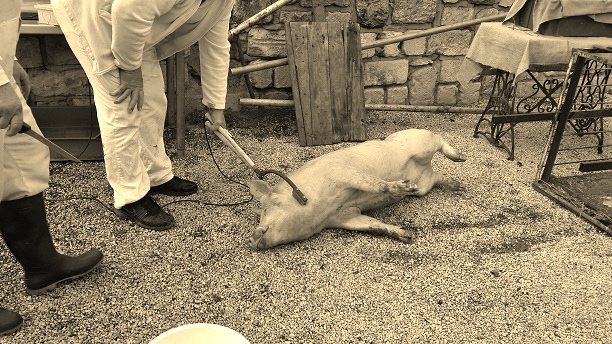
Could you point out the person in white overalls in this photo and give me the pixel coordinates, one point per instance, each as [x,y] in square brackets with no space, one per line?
[23,178]
[119,44]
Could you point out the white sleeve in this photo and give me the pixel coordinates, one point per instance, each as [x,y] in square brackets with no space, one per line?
[214,63]
[3,75]
[132,21]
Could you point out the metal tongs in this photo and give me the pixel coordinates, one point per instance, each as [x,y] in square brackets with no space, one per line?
[227,139]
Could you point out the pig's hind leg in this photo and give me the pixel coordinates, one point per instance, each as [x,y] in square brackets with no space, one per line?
[371,183]
[352,219]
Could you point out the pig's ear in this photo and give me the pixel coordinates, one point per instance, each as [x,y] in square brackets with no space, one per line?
[259,188]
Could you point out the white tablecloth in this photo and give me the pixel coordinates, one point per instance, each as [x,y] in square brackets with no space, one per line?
[514,50]
[546,10]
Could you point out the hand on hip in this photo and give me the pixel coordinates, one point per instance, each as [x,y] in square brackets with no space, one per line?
[130,87]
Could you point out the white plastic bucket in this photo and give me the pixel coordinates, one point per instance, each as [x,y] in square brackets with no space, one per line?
[200,334]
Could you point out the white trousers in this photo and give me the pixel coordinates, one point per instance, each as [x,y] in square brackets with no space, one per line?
[24,161]
[134,152]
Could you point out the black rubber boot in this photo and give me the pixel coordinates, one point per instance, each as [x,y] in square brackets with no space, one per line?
[9,321]
[24,227]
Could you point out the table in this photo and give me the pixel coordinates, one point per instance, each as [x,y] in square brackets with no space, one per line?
[511,51]
[175,73]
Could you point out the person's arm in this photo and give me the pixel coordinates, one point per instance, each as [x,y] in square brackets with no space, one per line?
[214,68]
[11,111]
[22,79]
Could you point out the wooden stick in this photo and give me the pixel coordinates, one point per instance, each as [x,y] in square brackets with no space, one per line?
[227,139]
[424,108]
[375,44]
[382,107]
[253,67]
[257,17]
[267,102]
[432,31]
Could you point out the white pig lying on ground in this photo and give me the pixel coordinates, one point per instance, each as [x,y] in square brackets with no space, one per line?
[342,184]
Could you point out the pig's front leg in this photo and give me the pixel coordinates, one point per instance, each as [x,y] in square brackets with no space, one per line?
[371,183]
[352,219]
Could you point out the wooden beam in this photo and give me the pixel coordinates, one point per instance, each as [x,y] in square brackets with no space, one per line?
[591,166]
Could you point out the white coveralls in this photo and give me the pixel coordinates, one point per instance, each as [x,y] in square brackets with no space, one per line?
[108,34]
[25,161]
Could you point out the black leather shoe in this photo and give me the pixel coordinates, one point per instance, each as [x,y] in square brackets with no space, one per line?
[147,214]
[9,321]
[175,187]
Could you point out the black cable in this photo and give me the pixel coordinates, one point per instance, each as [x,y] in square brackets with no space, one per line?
[109,208]
[91,121]
[91,131]
[223,174]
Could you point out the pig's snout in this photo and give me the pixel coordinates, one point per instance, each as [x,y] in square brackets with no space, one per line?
[255,241]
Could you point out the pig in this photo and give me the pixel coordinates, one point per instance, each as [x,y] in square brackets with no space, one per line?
[342,184]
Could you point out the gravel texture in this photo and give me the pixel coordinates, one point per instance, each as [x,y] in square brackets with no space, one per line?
[499,263]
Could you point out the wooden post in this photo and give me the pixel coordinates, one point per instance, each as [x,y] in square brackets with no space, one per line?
[318,10]
[171,90]
[181,129]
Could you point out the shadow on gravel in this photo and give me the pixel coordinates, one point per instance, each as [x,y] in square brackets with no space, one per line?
[516,244]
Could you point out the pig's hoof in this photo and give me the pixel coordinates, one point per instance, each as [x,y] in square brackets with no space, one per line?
[402,188]
[455,185]
[459,158]
[406,236]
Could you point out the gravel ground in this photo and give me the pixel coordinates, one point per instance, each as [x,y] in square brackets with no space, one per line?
[497,263]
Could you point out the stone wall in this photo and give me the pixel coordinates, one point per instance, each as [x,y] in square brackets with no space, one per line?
[415,72]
